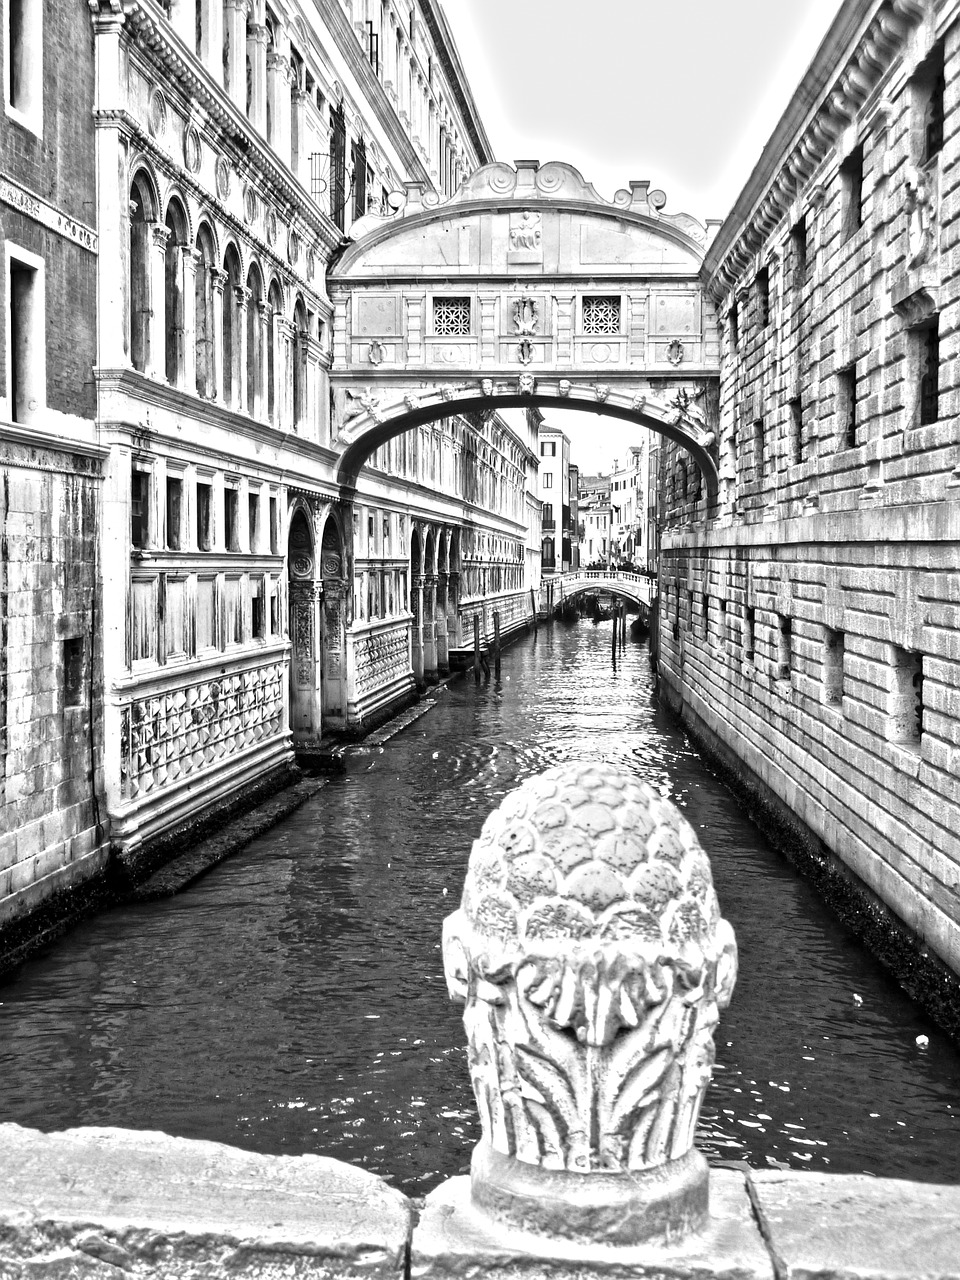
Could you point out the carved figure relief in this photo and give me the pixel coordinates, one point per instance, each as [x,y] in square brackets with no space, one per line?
[919,207]
[527,384]
[486,386]
[601,391]
[526,316]
[301,631]
[592,960]
[675,351]
[526,232]
[376,352]
[525,351]
[564,387]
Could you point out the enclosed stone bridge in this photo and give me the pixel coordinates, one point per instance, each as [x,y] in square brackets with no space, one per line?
[525,288]
[632,586]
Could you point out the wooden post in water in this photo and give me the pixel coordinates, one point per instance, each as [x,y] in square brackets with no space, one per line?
[613,637]
[476,649]
[496,644]
[533,602]
[623,624]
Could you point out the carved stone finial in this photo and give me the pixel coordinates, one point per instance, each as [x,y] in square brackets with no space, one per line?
[592,960]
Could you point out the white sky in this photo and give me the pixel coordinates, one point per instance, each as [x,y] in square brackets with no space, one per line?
[682,92]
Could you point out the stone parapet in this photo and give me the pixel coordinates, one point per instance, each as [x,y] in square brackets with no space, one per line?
[99,1203]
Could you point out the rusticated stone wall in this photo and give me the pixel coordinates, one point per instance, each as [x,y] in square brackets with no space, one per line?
[811,628]
[51,744]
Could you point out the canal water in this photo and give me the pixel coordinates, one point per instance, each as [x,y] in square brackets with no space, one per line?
[293,1000]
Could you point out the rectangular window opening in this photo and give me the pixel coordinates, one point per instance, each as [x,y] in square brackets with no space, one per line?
[257,611]
[833,650]
[231,507]
[27,350]
[759,442]
[851,193]
[139,508]
[749,632]
[173,511]
[274,527]
[253,520]
[734,316]
[73,671]
[451,317]
[847,406]
[784,648]
[932,88]
[204,513]
[906,697]
[928,372]
[795,406]
[705,617]
[798,245]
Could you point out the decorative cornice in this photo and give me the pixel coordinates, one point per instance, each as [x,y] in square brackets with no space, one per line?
[853,59]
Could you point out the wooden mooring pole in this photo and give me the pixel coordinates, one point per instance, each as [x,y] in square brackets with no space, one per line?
[533,603]
[476,649]
[496,644]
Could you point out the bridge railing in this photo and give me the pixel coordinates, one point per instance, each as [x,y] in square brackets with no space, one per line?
[636,585]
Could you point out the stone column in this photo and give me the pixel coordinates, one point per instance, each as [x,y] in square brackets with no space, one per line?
[263,319]
[189,260]
[156,338]
[278,96]
[299,155]
[211,37]
[416,608]
[283,373]
[235,40]
[311,353]
[218,279]
[430,629]
[242,295]
[455,639]
[441,624]
[257,38]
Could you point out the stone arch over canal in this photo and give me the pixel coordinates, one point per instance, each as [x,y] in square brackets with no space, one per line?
[526,288]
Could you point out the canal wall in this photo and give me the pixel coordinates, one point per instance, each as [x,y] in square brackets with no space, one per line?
[810,618]
[101,1203]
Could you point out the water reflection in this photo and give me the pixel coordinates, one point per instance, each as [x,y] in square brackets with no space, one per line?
[294,999]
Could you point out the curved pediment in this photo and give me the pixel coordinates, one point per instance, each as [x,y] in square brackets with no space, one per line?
[531,221]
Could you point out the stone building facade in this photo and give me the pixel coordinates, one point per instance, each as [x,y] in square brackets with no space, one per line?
[52,821]
[188,597]
[810,628]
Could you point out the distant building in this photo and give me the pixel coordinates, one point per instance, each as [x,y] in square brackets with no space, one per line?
[554,492]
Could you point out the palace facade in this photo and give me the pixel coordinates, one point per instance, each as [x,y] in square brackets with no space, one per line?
[189,596]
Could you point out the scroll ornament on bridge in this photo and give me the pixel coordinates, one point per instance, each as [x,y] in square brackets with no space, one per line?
[592,960]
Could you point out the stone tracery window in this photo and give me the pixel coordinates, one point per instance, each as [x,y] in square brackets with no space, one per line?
[601,314]
[451,317]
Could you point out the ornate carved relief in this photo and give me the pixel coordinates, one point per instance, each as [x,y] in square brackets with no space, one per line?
[157,114]
[192,152]
[223,178]
[301,632]
[380,659]
[592,960]
[166,736]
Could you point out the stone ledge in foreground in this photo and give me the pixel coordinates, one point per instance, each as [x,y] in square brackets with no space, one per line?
[854,1226]
[452,1239]
[88,1204]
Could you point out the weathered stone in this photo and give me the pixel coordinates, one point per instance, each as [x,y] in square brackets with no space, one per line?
[454,1238]
[100,1202]
[856,1226]
[592,980]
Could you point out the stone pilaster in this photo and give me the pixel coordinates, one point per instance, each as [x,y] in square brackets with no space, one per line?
[157,278]
[257,37]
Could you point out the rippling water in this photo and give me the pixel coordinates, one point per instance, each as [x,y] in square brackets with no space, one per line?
[293,1000]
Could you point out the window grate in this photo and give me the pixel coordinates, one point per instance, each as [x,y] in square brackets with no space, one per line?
[601,315]
[451,317]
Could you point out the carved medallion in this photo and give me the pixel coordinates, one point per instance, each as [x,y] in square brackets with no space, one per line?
[222,173]
[293,247]
[675,351]
[249,205]
[192,152]
[600,352]
[157,114]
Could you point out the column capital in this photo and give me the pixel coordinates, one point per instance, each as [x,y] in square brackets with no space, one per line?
[242,295]
[218,278]
[159,234]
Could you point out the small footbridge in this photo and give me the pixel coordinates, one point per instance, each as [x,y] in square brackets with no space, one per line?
[559,587]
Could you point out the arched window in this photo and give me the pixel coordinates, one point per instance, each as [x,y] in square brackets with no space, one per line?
[299,363]
[254,339]
[232,337]
[204,303]
[139,310]
[274,311]
[173,282]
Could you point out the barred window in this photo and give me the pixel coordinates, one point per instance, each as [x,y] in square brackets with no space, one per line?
[601,315]
[451,317]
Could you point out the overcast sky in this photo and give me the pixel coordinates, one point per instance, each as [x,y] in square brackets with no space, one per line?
[683,93]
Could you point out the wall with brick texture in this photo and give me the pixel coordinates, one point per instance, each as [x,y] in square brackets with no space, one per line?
[50,707]
[811,623]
